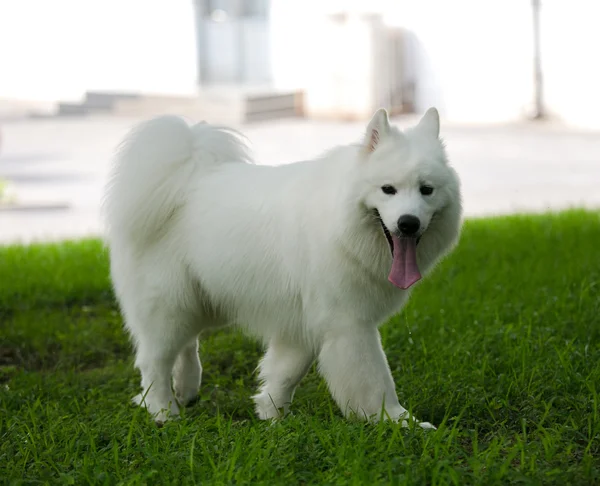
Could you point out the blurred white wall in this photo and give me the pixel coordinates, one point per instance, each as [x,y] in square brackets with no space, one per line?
[471,58]
[570,53]
[57,49]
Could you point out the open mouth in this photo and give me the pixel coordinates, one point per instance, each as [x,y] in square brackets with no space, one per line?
[405,270]
[387,233]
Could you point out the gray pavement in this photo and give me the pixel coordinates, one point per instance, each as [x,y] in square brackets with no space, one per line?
[57,167]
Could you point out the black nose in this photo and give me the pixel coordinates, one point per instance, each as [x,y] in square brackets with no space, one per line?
[409,224]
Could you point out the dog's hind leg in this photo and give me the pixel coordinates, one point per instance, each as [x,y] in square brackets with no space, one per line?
[281,369]
[160,338]
[187,373]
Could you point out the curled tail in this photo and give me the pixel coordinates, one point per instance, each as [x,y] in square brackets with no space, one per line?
[153,166]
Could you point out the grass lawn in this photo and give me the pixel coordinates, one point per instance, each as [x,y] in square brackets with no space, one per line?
[500,349]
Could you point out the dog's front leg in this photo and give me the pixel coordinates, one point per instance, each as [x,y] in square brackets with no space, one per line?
[354,365]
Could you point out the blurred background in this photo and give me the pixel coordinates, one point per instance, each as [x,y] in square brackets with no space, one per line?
[515,82]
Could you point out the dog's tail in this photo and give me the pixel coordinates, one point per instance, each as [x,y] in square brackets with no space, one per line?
[153,167]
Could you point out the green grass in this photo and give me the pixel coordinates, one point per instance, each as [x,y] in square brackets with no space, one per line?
[500,349]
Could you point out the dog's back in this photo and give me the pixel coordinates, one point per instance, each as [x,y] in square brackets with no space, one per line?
[191,221]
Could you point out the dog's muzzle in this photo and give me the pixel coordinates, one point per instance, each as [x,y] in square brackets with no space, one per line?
[386,232]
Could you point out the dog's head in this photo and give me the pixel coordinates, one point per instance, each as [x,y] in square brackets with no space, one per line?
[412,190]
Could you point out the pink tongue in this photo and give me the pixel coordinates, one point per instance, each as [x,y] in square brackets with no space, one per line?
[405,271]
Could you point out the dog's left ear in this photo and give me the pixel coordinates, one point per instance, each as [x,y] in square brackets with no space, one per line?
[377,130]
[430,123]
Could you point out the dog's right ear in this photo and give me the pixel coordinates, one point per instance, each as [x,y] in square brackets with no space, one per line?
[377,130]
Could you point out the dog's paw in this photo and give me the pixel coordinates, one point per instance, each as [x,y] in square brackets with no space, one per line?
[158,413]
[139,400]
[186,396]
[405,422]
[266,409]
[186,387]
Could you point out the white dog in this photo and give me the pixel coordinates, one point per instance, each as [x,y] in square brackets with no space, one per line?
[310,257]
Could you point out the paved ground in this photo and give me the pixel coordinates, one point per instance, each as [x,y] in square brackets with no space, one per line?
[63,163]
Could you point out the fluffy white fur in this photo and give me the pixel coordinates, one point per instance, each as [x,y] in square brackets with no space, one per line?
[201,238]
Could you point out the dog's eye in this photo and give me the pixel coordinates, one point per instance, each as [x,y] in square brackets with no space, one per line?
[426,190]
[388,189]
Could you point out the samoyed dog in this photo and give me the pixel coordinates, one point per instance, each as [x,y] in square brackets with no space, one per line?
[310,258]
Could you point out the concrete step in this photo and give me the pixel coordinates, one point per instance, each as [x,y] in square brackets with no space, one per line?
[72,109]
[232,105]
[107,99]
[14,109]
[217,106]
[275,105]
[94,102]
[192,108]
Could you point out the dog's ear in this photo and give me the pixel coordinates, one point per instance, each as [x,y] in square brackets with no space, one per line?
[377,130]
[430,123]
